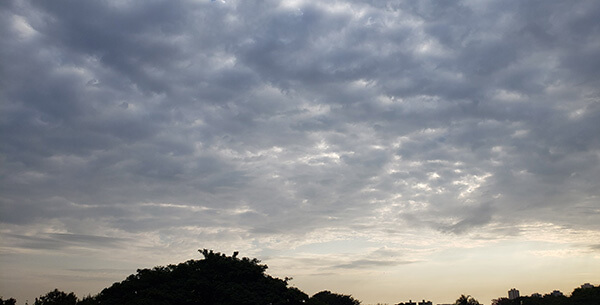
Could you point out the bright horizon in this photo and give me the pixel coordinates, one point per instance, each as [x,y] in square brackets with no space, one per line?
[397,287]
[393,151]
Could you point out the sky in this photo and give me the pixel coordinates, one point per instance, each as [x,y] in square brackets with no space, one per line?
[391,150]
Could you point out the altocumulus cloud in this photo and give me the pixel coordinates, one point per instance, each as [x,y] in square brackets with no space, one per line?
[275,124]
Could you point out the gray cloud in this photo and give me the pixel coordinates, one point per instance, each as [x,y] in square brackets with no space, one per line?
[276,120]
[370,263]
[57,241]
[375,259]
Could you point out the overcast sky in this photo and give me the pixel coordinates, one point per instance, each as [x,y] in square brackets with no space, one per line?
[391,150]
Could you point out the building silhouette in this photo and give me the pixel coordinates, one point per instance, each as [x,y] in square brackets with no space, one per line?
[513,294]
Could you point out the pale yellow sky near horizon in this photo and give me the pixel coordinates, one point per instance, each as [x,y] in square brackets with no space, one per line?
[433,266]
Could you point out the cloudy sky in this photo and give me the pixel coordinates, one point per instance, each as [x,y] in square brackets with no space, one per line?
[391,150]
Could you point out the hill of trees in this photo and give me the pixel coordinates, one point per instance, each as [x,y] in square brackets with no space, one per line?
[227,280]
[217,279]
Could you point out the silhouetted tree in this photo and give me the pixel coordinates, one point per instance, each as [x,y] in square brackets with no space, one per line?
[56,297]
[88,300]
[328,298]
[580,296]
[10,301]
[216,279]
[586,296]
[466,300]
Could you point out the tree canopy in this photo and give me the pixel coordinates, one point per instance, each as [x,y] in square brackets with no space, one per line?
[56,297]
[9,301]
[328,298]
[579,296]
[586,296]
[216,279]
[466,300]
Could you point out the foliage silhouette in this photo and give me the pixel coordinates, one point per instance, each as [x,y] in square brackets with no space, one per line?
[579,296]
[466,300]
[328,298]
[10,301]
[216,279]
[586,296]
[88,300]
[56,297]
